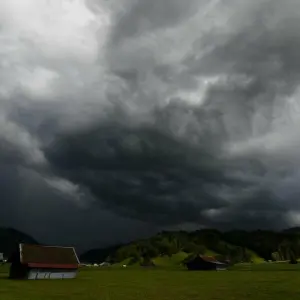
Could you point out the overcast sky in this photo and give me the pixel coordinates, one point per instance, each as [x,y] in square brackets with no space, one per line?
[120,118]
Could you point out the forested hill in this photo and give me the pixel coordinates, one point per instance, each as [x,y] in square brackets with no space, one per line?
[235,245]
[10,238]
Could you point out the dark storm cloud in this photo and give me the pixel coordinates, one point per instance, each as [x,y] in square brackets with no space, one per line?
[156,174]
[140,172]
[150,175]
[149,114]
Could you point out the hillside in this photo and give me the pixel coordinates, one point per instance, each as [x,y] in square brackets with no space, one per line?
[10,238]
[98,255]
[171,248]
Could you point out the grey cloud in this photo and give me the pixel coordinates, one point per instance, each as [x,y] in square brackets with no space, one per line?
[149,115]
[143,17]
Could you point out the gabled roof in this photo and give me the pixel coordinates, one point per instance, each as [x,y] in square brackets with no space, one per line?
[208,258]
[212,259]
[37,256]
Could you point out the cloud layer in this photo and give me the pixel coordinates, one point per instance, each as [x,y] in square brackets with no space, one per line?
[149,116]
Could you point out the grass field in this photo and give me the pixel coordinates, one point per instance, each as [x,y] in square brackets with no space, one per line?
[261,281]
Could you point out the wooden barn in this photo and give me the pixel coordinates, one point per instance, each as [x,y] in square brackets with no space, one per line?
[44,262]
[201,262]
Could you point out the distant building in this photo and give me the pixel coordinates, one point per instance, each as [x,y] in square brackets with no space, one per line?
[1,257]
[44,262]
[201,262]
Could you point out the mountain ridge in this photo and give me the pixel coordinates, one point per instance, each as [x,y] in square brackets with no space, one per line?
[10,238]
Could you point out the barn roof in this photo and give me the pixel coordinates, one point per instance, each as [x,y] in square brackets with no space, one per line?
[208,258]
[211,259]
[48,256]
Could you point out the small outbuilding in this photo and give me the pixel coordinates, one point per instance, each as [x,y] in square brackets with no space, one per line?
[44,262]
[201,262]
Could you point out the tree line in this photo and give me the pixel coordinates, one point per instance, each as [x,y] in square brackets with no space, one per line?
[236,245]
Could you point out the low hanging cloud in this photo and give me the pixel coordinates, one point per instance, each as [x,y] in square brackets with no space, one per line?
[157,115]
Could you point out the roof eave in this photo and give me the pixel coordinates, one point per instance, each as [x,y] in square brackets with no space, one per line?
[53,266]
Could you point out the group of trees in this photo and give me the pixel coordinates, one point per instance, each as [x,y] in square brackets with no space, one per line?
[237,246]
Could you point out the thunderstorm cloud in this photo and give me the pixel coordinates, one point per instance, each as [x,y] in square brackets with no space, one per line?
[119,118]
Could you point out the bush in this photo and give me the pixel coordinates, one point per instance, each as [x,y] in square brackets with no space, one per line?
[293,261]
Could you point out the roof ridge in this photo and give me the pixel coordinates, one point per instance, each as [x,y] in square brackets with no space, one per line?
[47,246]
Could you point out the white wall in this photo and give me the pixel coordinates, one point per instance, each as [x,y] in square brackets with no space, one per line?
[41,274]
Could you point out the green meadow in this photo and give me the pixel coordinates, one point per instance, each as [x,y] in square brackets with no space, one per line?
[250,281]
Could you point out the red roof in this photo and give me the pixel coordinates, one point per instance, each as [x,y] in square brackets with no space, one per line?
[37,256]
[208,258]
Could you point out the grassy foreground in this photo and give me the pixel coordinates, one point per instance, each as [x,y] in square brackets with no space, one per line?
[262,281]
